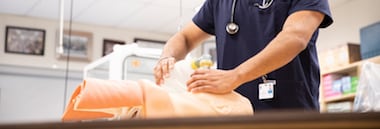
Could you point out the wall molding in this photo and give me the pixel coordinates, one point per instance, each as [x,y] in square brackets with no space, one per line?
[39,72]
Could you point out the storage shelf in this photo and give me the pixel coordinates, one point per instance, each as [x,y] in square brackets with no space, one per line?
[341,98]
[375,59]
[344,69]
[351,69]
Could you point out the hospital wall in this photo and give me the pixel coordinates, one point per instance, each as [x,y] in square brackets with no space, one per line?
[348,19]
[33,87]
[49,59]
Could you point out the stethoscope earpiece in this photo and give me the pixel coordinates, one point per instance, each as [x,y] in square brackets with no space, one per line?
[232,28]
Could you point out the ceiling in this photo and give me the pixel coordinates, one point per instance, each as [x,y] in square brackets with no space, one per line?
[157,16]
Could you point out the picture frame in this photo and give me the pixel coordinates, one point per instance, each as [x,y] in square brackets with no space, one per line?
[23,40]
[76,45]
[149,43]
[210,49]
[108,45]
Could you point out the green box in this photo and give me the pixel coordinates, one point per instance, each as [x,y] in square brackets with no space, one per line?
[354,84]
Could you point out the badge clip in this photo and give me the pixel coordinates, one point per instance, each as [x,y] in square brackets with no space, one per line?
[266,89]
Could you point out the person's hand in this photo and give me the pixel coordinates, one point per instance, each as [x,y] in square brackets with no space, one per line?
[162,69]
[213,81]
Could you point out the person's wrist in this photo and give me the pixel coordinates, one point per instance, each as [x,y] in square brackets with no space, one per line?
[164,57]
[240,77]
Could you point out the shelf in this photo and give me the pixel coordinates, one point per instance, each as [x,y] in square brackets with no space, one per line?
[341,98]
[351,69]
[352,66]
[344,69]
[375,59]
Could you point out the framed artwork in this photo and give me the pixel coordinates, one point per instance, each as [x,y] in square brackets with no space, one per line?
[149,43]
[75,45]
[108,45]
[210,49]
[23,40]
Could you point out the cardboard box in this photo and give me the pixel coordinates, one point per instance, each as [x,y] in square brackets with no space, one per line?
[339,107]
[349,84]
[340,56]
[331,85]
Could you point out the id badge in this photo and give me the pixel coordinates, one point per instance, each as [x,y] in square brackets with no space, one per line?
[266,90]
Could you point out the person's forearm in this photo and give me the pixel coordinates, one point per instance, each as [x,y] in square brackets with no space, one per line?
[277,54]
[176,47]
[183,42]
[293,39]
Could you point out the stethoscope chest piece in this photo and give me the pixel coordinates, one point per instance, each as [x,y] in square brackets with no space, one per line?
[232,28]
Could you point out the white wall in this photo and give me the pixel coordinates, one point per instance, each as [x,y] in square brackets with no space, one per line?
[49,59]
[29,94]
[348,17]
[31,90]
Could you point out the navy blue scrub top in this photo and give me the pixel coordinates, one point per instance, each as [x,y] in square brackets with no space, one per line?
[297,83]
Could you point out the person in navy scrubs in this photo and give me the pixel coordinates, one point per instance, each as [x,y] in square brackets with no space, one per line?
[256,41]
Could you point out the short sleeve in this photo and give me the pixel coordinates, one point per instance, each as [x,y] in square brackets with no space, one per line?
[204,19]
[316,5]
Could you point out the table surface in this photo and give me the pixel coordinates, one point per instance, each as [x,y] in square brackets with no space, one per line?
[288,119]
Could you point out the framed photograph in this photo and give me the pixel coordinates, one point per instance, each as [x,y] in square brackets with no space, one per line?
[108,45]
[75,45]
[149,43]
[24,40]
[210,49]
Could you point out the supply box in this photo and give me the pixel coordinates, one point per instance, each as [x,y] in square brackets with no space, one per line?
[339,56]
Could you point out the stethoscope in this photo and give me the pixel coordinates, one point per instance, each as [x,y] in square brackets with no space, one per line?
[232,28]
